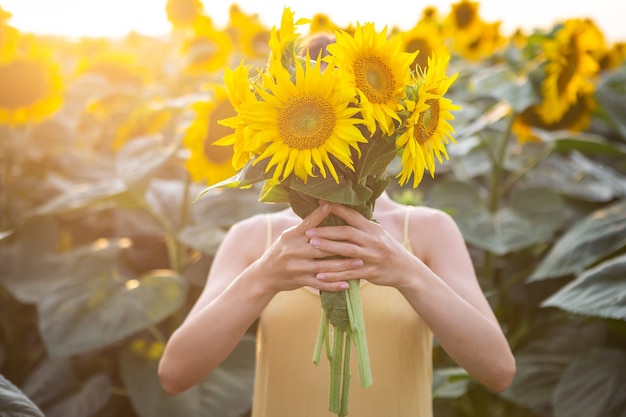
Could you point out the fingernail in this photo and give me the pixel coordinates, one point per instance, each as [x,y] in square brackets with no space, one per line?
[344,285]
[320,276]
[311,232]
[357,263]
[316,243]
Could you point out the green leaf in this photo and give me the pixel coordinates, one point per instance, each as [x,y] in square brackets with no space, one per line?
[588,143]
[88,401]
[96,308]
[600,291]
[450,382]
[51,380]
[596,236]
[141,158]
[376,155]
[593,385]
[531,216]
[13,402]
[225,392]
[345,192]
[541,362]
[501,83]
[247,176]
[612,97]
[569,177]
[83,195]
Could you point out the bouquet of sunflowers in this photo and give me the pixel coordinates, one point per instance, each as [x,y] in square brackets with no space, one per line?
[326,128]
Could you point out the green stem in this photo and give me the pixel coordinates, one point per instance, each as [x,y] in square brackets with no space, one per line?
[336,366]
[345,385]
[533,162]
[321,336]
[495,190]
[498,164]
[357,327]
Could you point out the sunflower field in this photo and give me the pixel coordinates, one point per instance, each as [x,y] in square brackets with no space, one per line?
[106,143]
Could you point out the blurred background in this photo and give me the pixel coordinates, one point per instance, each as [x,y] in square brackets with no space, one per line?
[108,115]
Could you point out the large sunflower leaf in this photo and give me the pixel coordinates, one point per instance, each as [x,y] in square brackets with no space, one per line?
[15,403]
[501,83]
[83,195]
[600,291]
[593,385]
[142,157]
[225,392]
[542,361]
[596,236]
[250,174]
[50,380]
[344,192]
[450,382]
[568,177]
[611,95]
[531,216]
[97,309]
[88,401]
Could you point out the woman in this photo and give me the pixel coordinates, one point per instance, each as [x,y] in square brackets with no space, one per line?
[417,281]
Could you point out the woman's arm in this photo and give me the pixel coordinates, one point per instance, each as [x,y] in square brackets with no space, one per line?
[242,281]
[442,287]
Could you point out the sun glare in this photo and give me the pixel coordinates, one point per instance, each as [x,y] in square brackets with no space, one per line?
[115,18]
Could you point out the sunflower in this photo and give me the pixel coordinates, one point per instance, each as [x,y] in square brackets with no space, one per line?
[208,49]
[483,45]
[183,13]
[321,22]
[376,70]
[576,118]
[570,68]
[463,21]
[239,90]
[303,124]
[208,162]
[250,34]
[31,83]
[283,42]
[425,38]
[614,56]
[9,37]
[427,128]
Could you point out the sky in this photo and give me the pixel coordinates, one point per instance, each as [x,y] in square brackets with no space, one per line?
[118,17]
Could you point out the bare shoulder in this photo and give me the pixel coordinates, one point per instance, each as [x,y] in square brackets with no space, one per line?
[252,235]
[433,231]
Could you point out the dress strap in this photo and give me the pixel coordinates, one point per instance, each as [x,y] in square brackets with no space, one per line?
[406,242]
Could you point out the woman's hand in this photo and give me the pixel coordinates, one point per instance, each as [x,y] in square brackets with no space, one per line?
[292,262]
[385,260]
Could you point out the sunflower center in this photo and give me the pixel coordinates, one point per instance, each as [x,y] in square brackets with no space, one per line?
[22,83]
[306,122]
[428,122]
[572,56]
[464,15]
[219,154]
[422,45]
[375,79]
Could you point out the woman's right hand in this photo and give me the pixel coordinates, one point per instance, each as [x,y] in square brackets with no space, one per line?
[291,262]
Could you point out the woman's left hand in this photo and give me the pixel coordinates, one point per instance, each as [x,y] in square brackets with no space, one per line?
[385,260]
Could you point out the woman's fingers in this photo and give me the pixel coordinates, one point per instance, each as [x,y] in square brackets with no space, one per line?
[315,218]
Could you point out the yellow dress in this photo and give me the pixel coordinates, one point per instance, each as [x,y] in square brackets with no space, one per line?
[288,384]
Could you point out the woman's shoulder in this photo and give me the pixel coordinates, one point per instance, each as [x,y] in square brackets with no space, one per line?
[260,224]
